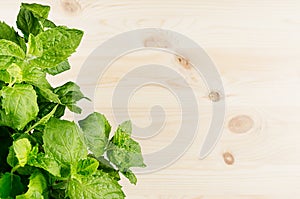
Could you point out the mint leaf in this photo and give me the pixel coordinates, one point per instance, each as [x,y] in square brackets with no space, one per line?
[35,47]
[87,166]
[43,120]
[43,161]
[36,188]
[48,94]
[10,186]
[58,44]
[40,12]
[126,127]
[6,61]
[107,167]
[69,94]
[22,148]
[9,48]
[25,171]
[96,132]
[5,76]
[47,107]
[61,67]
[125,157]
[74,108]
[130,176]
[124,152]
[12,160]
[37,77]
[28,23]
[8,33]
[48,24]
[14,73]
[20,105]
[72,93]
[99,185]
[69,146]
[37,9]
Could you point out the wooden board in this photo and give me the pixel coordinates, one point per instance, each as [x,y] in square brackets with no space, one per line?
[254,44]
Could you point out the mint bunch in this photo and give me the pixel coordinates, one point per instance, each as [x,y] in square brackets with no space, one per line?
[42,155]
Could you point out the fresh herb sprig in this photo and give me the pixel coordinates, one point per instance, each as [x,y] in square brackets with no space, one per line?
[42,155]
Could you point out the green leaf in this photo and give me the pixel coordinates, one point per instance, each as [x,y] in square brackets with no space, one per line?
[126,127]
[37,9]
[48,24]
[48,94]
[61,67]
[72,97]
[20,105]
[69,146]
[5,76]
[73,108]
[22,43]
[43,120]
[36,188]
[87,166]
[124,152]
[35,47]
[6,61]
[37,77]
[66,170]
[100,185]
[40,12]
[46,108]
[107,167]
[8,33]
[44,161]
[9,48]
[126,158]
[69,95]
[12,160]
[22,148]
[58,44]
[28,23]
[68,88]
[15,74]
[57,193]
[26,170]
[2,84]
[10,186]
[37,135]
[96,132]
[5,120]
[130,176]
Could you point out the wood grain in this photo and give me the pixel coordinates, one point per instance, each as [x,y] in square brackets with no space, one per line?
[255,46]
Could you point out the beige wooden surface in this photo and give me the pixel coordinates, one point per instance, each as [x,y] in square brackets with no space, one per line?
[255,45]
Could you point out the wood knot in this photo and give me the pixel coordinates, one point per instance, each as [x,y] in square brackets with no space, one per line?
[240,124]
[71,6]
[228,158]
[183,62]
[214,96]
[156,42]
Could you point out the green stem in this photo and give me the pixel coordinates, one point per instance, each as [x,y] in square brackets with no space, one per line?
[43,120]
[15,168]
